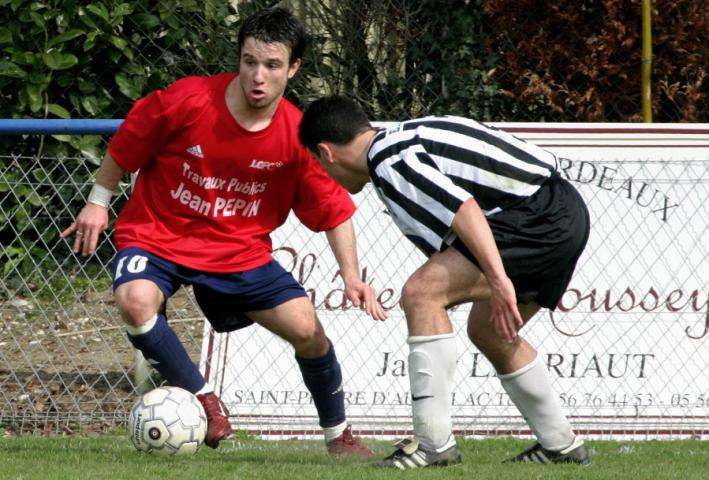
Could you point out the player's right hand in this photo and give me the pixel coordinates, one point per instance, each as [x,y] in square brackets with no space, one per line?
[504,314]
[91,221]
[362,296]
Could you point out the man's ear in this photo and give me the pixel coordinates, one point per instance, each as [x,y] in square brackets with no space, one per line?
[325,152]
[293,68]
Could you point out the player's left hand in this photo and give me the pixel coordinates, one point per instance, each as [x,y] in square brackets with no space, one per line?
[362,296]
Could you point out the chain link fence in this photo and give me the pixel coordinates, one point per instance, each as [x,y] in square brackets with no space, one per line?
[626,347]
[64,360]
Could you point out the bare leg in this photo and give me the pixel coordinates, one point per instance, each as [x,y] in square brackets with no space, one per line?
[138,301]
[295,322]
[446,279]
[523,376]
[505,356]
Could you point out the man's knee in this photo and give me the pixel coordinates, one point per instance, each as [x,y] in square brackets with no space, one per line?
[305,332]
[309,340]
[476,335]
[138,301]
[415,292]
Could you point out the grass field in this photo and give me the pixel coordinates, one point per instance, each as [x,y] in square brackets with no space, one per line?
[113,457]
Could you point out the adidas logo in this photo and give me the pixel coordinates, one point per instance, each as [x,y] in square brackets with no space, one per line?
[196,150]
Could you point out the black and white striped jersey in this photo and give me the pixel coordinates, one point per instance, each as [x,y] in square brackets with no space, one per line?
[424,169]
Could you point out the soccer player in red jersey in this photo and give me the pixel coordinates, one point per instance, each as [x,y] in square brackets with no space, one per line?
[220,167]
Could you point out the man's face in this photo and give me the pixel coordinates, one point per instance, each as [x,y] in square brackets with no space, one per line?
[264,71]
[340,174]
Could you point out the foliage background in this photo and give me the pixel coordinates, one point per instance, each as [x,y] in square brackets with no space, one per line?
[493,60]
[580,60]
[503,60]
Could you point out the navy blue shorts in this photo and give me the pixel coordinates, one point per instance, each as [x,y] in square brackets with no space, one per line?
[223,297]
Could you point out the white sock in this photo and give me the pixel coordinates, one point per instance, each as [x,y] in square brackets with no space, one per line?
[530,390]
[432,362]
[332,433]
[144,328]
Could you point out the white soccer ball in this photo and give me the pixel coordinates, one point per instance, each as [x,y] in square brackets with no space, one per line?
[167,421]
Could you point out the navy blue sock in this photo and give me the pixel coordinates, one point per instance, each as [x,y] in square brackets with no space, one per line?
[323,378]
[163,350]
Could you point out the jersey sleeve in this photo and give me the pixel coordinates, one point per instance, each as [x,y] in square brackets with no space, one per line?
[418,178]
[320,203]
[144,130]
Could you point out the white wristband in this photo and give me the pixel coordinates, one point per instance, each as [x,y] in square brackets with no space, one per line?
[100,196]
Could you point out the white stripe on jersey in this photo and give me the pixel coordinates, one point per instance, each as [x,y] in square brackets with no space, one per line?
[478,146]
[390,139]
[408,224]
[544,155]
[484,177]
[435,175]
[423,172]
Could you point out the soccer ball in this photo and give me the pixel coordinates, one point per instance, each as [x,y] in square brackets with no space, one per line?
[167,421]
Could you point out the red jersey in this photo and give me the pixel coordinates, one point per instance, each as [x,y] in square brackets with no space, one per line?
[209,192]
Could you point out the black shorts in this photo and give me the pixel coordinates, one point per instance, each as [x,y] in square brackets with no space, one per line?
[540,241]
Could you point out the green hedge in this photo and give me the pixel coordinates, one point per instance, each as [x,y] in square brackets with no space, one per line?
[574,61]
[92,60]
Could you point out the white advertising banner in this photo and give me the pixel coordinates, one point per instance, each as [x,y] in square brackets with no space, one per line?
[626,347]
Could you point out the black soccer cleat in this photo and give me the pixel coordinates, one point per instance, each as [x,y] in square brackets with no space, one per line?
[575,453]
[410,455]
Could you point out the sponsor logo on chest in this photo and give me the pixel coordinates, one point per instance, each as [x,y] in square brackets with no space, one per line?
[264,165]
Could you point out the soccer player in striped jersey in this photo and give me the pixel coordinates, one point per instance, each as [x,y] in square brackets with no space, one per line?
[500,227]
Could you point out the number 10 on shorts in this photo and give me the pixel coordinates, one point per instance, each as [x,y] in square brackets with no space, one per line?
[136,264]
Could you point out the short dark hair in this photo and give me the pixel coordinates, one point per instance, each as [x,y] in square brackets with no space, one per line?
[275,24]
[333,119]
